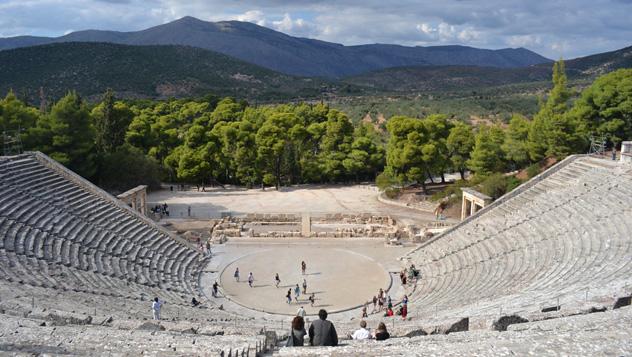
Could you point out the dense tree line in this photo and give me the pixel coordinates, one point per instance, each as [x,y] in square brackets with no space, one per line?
[118,144]
[206,141]
[419,150]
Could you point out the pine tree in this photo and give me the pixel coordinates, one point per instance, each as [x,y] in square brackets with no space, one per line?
[553,132]
[111,121]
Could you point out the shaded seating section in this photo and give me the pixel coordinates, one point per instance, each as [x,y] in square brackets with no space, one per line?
[61,232]
[564,237]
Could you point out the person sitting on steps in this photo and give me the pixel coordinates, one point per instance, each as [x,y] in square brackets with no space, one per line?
[322,332]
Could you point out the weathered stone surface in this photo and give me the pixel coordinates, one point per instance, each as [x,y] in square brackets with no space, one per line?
[151,326]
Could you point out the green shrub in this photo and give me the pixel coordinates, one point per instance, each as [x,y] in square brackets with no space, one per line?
[494,186]
[512,183]
[392,192]
[384,181]
[533,170]
[454,189]
[497,184]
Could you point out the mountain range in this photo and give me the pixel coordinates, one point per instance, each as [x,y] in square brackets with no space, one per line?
[189,57]
[452,78]
[292,55]
[158,71]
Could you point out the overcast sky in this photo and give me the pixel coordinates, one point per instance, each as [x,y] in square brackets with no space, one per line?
[551,28]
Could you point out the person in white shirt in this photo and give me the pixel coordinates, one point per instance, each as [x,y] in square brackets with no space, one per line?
[301,312]
[155,307]
[362,333]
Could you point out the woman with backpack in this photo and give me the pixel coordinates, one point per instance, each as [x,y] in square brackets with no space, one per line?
[297,333]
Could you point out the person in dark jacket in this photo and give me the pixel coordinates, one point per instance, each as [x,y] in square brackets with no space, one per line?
[322,332]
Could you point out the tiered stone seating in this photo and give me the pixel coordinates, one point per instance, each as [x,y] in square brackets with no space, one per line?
[58,231]
[551,240]
[598,334]
[28,336]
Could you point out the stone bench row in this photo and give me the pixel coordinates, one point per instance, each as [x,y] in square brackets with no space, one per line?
[172,265]
[45,216]
[555,242]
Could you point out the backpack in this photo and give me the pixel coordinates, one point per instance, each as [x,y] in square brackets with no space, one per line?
[290,339]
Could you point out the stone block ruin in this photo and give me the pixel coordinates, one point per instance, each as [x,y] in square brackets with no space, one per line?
[305,225]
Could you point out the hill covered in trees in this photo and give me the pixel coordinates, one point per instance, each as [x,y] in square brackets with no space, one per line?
[291,55]
[119,144]
[463,78]
[143,72]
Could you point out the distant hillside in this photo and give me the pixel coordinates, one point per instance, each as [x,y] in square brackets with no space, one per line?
[600,63]
[450,78]
[142,71]
[293,55]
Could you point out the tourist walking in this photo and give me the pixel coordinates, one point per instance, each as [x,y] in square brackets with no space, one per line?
[277,280]
[297,333]
[364,314]
[380,294]
[304,286]
[297,293]
[301,312]
[381,333]
[362,333]
[303,267]
[322,332]
[251,279]
[156,305]
[374,303]
[288,296]
[404,311]
[236,275]
[312,299]
[215,289]
[380,303]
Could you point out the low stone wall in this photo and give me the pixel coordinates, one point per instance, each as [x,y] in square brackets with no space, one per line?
[270,217]
[421,206]
[373,226]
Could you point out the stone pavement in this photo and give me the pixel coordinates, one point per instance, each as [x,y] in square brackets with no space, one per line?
[295,199]
[344,271]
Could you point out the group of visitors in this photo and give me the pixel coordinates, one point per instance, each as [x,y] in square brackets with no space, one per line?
[363,333]
[297,293]
[160,209]
[205,249]
[277,282]
[180,187]
[410,274]
[380,300]
[322,332]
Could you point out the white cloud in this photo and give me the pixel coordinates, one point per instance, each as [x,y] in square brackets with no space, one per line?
[298,27]
[254,16]
[549,27]
[426,29]
[524,41]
